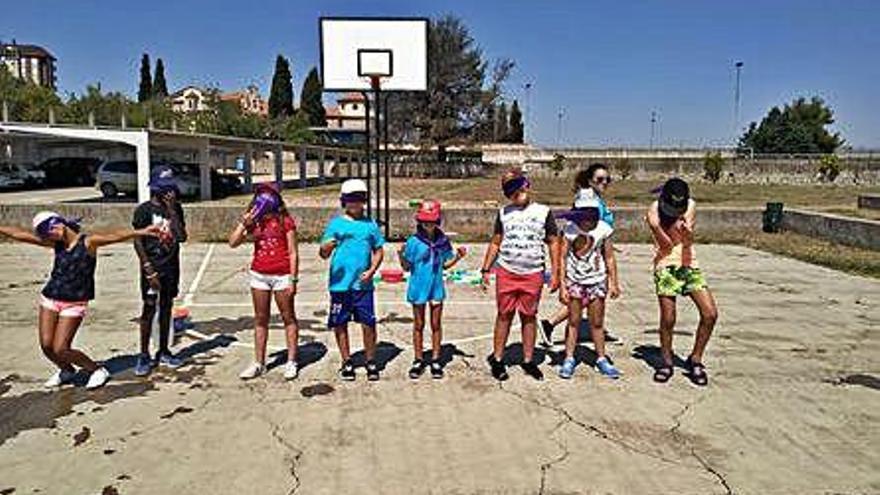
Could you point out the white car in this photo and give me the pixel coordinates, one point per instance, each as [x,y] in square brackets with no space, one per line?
[120,177]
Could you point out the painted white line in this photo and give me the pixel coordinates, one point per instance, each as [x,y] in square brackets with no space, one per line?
[194,286]
[325,302]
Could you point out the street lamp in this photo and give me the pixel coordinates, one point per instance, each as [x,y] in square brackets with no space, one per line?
[736,100]
[528,110]
[653,123]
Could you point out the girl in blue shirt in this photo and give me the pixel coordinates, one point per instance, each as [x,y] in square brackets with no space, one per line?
[425,255]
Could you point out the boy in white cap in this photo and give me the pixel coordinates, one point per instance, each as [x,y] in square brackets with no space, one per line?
[353,242]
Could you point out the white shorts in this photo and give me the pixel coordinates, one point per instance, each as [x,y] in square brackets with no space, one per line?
[275,283]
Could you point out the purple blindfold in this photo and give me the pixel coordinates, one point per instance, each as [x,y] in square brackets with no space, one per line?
[46,226]
[266,202]
[513,185]
[353,197]
[578,215]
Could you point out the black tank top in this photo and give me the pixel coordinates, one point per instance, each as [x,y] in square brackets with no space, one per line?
[73,273]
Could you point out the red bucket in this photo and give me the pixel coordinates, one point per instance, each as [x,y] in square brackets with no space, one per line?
[391,275]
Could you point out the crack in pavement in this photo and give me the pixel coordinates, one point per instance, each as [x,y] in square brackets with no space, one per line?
[673,430]
[545,467]
[292,460]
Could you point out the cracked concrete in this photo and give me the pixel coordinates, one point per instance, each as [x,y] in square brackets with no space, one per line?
[777,417]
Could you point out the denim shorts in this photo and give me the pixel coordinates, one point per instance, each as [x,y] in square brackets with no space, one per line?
[353,305]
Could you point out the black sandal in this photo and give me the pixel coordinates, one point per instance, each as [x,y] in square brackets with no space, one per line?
[662,374]
[696,373]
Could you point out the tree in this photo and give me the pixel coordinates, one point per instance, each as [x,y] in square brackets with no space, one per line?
[310,100]
[458,103]
[281,94]
[27,102]
[798,128]
[502,124]
[516,132]
[145,89]
[160,88]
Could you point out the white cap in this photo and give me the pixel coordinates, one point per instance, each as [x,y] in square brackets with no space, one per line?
[354,186]
[586,198]
[42,217]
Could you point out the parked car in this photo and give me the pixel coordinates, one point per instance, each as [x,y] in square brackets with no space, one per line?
[29,175]
[10,177]
[223,182]
[70,171]
[120,177]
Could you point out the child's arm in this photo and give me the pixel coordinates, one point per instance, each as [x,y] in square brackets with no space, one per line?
[328,242]
[553,243]
[611,264]
[489,259]
[564,246]
[376,258]
[239,232]
[293,243]
[586,243]
[22,235]
[401,256]
[460,253]
[94,241]
[662,239]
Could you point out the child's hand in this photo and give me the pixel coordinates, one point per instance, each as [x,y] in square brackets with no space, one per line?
[461,252]
[564,296]
[614,292]
[247,218]
[484,281]
[366,276]
[150,231]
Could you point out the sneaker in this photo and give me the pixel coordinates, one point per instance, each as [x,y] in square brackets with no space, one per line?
[59,378]
[346,372]
[532,370]
[98,378]
[291,370]
[168,360]
[607,369]
[372,371]
[611,339]
[143,366]
[417,368]
[546,333]
[436,370]
[499,370]
[252,371]
[567,369]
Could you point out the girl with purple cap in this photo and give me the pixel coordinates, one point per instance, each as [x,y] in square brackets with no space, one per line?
[71,285]
[274,271]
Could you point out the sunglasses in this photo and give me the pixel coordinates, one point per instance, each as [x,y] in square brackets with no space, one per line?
[603,180]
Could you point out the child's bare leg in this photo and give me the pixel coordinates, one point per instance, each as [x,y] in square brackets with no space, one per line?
[502,330]
[436,331]
[561,314]
[418,330]
[148,312]
[529,327]
[667,324]
[261,299]
[596,312]
[284,301]
[369,341]
[708,316]
[341,333]
[575,313]
[48,321]
[65,331]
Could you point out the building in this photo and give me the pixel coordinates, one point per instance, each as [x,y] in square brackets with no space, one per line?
[349,112]
[189,99]
[29,63]
[249,100]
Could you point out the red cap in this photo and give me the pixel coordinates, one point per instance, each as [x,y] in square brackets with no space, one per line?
[429,211]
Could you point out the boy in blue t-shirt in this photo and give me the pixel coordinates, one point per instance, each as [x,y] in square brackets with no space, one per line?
[353,243]
[425,255]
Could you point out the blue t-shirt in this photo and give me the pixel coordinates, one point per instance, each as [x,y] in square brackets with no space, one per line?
[355,242]
[604,213]
[426,272]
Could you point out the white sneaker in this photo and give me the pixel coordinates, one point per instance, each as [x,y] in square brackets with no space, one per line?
[59,378]
[98,378]
[291,370]
[252,371]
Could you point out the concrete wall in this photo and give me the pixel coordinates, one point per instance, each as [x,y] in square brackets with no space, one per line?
[843,230]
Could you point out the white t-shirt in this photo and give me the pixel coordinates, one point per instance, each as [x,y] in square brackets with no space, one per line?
[589,269]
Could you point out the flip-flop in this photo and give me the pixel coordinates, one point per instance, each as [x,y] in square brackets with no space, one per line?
[662,374]
[696,373]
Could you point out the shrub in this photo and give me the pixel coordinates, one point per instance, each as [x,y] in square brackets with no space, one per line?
[624,168]
[713,164]
[829,168]
[557,165]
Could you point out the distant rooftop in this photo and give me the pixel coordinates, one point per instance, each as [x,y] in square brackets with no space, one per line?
[25,50]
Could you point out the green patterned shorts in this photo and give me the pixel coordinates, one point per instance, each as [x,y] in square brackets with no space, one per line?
[678,281]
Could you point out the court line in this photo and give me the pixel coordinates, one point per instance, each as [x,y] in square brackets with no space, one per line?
[194,286]
[325,302]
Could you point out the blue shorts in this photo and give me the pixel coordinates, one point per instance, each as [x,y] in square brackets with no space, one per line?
[354,305]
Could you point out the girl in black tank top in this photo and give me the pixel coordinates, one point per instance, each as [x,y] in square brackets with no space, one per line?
[69,288]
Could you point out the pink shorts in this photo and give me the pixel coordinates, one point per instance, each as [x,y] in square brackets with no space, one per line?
[587,292]
[518,293]
[70,309]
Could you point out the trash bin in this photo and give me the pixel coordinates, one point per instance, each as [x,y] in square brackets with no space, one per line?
[773,217]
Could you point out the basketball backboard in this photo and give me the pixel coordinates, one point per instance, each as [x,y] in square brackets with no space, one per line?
[356,49]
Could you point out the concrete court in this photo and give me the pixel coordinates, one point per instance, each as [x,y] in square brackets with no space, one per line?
[792,407]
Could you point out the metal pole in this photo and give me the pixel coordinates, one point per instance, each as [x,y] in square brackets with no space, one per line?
[653,122]
[377,111]
[560,115]
[369,149]
[736,100]
[387,171]
[528,111]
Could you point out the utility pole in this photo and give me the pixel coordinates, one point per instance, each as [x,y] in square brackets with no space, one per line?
[653,124]
[736,100]
[559,117]
[528,111]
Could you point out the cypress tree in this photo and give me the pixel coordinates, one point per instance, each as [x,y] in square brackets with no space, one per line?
[281,94]
[310,100]
[160,88]
[145,89]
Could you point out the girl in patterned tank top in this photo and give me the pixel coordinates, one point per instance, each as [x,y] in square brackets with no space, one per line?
[70,287]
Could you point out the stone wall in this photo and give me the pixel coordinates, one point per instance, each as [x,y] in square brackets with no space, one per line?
[842,230]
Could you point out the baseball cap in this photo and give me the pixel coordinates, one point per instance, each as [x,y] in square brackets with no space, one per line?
[429,211]
[674,197]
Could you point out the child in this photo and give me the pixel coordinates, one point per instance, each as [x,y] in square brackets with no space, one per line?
[587,272]
[275,268]
[160,265]
[594,181]
[522,228]
[353,243]
[671,219]
[71,285]
[425,255]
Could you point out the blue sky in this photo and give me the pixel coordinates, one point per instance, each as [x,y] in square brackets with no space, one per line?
[606,64]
